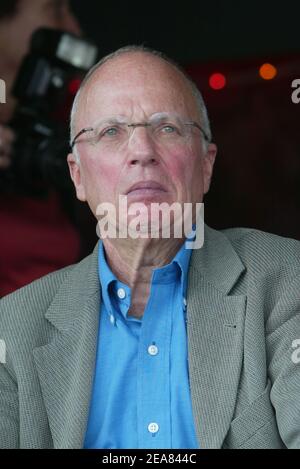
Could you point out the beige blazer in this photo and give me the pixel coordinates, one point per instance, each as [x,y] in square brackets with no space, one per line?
[243,318]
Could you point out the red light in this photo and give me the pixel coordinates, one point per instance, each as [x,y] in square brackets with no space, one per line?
[74,86]
[217,81]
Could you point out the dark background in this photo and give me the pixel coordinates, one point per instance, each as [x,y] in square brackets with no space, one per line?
[254,122]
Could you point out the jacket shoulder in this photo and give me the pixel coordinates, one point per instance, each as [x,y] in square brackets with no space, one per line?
[39,290]
[32,301]
[262,248]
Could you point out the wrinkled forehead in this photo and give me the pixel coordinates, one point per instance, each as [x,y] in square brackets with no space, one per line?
[135,85]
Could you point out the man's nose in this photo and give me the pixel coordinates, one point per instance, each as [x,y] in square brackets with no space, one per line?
[141,147]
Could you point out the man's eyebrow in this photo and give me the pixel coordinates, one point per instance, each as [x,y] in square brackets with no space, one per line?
[164,115]
[122,119]
[111,120]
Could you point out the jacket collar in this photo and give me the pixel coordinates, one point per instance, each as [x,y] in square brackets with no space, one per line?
[217,262]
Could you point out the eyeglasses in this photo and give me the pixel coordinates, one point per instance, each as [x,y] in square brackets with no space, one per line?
[165,129]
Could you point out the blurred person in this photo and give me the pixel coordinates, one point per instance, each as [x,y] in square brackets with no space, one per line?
[37,235]
[18,20]
[147,343]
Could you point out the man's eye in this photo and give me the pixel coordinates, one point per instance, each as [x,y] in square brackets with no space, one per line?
[168,128]
[109,132]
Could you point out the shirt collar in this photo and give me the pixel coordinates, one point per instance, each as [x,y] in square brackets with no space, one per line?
[177,268]
[183,258]
[182,262]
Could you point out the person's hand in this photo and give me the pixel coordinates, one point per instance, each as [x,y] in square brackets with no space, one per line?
[6,140]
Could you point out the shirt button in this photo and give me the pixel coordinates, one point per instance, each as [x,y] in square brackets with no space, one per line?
[121,293]
[184,302]
[153,427]
[112,319]
[152,350]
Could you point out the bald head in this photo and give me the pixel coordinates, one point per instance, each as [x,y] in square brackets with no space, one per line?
[138,65]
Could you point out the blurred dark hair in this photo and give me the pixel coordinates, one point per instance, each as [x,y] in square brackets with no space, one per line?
[8,8]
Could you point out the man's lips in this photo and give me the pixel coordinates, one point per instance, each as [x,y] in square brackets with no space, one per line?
[146,187]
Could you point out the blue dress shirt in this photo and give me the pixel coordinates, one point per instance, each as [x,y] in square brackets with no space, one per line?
[141,394]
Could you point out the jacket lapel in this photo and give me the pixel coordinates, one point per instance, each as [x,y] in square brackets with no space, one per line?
[215,337]
[66,365]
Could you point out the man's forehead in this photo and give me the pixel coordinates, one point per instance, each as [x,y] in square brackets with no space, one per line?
[136,75]
[135,63]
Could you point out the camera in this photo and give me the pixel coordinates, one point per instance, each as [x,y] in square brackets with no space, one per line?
[47,82]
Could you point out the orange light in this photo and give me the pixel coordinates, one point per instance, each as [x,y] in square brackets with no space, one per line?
[217,81]
[267,71]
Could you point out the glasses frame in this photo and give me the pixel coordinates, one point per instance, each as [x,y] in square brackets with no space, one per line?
[139,124]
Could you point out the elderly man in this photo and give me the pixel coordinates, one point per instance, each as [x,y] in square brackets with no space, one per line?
[145,343]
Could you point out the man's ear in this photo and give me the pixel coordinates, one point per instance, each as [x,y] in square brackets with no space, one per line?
[76,176]
[208,165]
